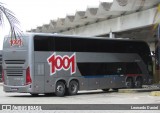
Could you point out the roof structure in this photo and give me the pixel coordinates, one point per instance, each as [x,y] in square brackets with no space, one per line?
[120,15]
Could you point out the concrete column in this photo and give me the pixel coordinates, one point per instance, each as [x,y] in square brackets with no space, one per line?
[157,56]
[111,35]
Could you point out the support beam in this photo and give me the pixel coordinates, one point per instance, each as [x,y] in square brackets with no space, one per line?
[119,24]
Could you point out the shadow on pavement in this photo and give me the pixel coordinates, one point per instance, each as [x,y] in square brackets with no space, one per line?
[53,95]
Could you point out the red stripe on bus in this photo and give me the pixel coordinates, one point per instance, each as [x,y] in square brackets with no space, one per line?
[134,74]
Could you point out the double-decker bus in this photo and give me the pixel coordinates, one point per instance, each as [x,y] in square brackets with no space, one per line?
[39,63]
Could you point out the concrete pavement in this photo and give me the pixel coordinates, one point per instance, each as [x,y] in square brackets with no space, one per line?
[83,97]
[153,89]
[137,90]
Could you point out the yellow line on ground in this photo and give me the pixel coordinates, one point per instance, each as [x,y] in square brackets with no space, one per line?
[155,93]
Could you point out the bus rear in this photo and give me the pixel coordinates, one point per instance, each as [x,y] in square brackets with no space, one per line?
[16,71]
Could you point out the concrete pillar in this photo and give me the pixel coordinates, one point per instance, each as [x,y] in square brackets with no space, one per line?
[157,57]
[111,35]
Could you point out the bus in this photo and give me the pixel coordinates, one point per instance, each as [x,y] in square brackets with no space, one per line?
[42,63]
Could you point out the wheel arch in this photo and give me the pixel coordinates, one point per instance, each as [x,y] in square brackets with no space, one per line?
[139,77]
[73,79]
[61,80]
[127,77]
[139,82]
[129,84]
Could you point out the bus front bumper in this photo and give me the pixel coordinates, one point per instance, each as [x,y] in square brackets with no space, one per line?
[19,89]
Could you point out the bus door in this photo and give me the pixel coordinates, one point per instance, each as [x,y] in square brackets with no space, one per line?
[48,80]
[39,72]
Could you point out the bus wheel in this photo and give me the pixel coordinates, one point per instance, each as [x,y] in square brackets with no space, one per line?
[60,89]
[138,82]
[73,87]
[105,90]
[34,94]
[129,82]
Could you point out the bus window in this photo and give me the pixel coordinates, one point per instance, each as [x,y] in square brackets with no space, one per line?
[62,44]
[77,45]
[43,43]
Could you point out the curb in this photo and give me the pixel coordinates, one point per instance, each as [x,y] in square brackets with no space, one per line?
[136,90]
[155,93]
[126,91]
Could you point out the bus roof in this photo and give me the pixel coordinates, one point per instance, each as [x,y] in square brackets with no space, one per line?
[30,34]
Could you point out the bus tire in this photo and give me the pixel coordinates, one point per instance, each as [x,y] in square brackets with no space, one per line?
[73,87]
[105,90]
[129,82]
[138,82]
[60,89]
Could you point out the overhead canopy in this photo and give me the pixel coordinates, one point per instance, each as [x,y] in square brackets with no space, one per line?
[120,15]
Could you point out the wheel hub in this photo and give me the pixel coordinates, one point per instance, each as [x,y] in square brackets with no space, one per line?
[73,88]
[60,89]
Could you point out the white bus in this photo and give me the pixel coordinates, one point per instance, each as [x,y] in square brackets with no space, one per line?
[45,63]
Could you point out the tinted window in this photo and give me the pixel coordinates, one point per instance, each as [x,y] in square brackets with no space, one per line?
[44,43]
[77,45]
[62,44]
[48,43]
[102,45]
[89,69]
[92,45]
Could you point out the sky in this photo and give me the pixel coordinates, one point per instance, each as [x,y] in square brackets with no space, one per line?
[33,13]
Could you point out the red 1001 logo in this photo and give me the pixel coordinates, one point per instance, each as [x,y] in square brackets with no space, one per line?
[17,42]
[58,63]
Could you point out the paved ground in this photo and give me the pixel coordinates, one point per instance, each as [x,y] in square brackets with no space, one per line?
[83,97]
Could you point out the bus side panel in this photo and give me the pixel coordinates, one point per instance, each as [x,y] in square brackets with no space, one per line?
[93,83]
[46,81]
[39,74]
[145,73]
[39,77]
[83,83]
[112,81]
[105,83]
[118,81]
[39,84]
[49,81]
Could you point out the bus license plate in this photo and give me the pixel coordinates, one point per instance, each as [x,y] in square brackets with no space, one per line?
[14,89]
